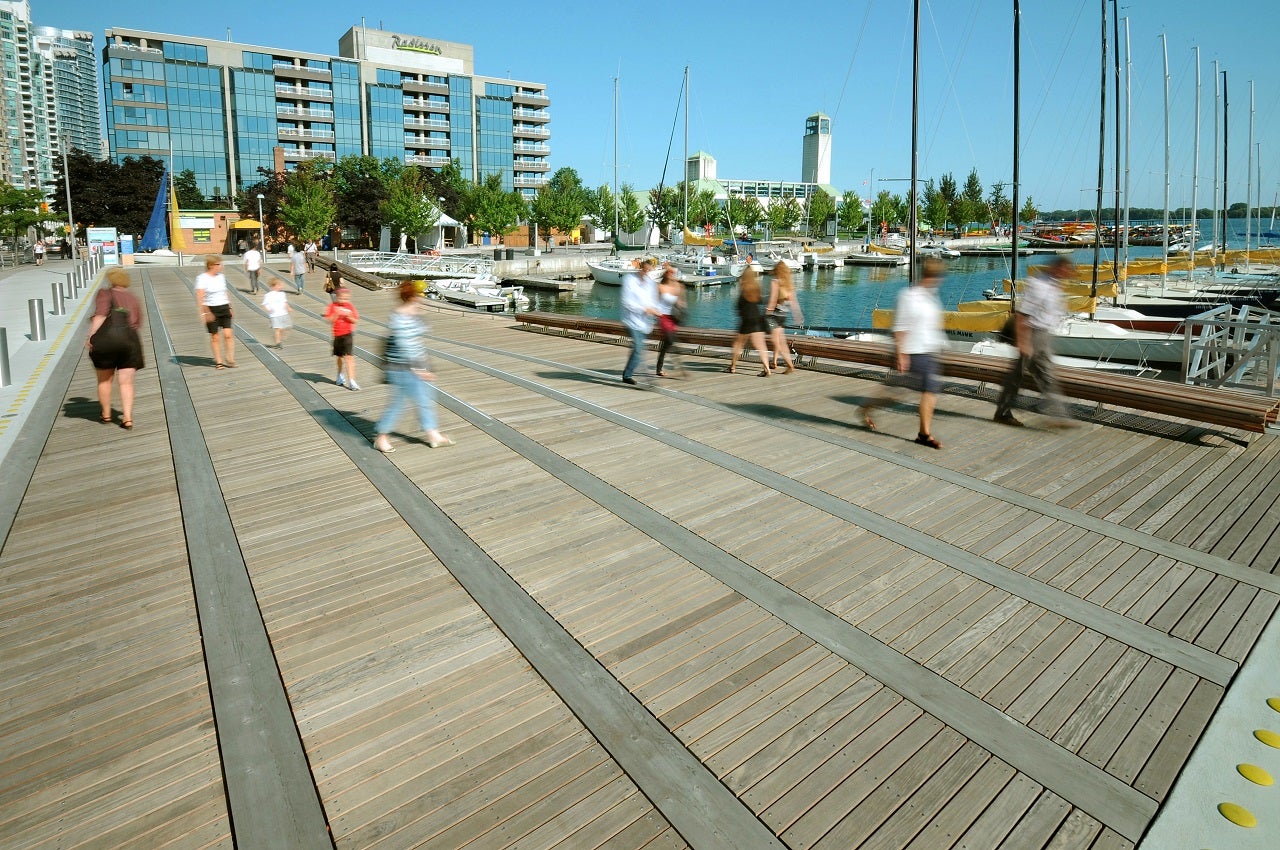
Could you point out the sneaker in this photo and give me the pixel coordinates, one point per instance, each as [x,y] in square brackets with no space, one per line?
[631,381]
[1007,419]
[341,381]
[353,386]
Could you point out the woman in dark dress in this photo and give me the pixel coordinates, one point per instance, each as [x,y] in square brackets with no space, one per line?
[751,325]
[117,352]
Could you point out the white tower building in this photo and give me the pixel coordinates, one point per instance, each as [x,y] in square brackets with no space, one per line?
[815,165]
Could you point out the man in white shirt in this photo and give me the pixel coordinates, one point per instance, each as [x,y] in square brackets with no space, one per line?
[639,311]
[1039,312]
[252,266]
[298,266]
[917,339]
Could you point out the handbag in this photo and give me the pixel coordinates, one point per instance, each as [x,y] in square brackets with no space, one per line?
[113,336]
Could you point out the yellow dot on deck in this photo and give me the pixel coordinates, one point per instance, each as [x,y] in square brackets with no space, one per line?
[1238,815]
[1274,702]
[1255,774]
[1266,736]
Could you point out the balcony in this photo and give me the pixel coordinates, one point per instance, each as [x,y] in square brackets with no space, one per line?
[424,86]
[411,141]
[304,112]
[538,115]
[530,181]
[431,161]
[532,147]
[534,98]
[534,132]
[304,133]
[532,165]
[300,154]
[432,123]
[426,105]
[304,92]
[287,69]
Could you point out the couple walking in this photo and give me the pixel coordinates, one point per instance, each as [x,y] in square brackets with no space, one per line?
[646,303]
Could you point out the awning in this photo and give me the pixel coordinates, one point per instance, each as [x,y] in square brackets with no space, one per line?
[246,224]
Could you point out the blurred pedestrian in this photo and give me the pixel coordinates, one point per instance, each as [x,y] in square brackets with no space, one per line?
[918,337]
[276,302]
[310,251]
[253,266]
[1040,310]
[342,315]
[114,346]
[639,311]
[783,309]
[38,250]
[332,281]
[408,371]
[298,266]
[671,307]
[751,324]
[215,311]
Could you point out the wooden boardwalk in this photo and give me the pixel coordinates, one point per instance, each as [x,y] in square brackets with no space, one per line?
[711,614]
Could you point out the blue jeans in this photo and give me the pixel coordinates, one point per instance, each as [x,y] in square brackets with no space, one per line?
[407,386]
[298,280]
[636,359]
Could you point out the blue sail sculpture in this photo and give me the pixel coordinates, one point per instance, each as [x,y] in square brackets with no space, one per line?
[157,235]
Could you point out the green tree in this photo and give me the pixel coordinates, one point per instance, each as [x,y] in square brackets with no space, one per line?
[20,210]
[309,206]
[409,207]
[819,208]
[971,206]
[888,209]
[936,209]
[664,208]
[783,216]
[601,206]
[849,215]
[495,210]
[560,204]
[360,185]
[748,213]
[631,215]
[188,191]
[451,190]
[703,209]
[1029,213]
[999,203]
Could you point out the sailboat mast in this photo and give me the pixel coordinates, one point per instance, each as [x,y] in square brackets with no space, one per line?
[1248,184]
[686,148]
[1128,135]
[1017,66]
[1164,265]
[615,159]
[1226,104]
[1102,155]
[1195,174]
[915,148]
[1217,111]
[1115,216]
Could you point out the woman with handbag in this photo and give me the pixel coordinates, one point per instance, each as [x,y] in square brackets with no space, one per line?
[671,305]
[407,372]
[783,310]
[114,345]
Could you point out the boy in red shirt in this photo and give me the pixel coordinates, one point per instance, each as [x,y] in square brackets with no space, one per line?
[343,316]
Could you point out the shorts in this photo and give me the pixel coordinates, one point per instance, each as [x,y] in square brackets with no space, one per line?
[281,322]
[342,345]
[221,318]
[924,372]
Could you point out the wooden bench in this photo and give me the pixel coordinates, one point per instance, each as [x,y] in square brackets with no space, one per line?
[1198,404]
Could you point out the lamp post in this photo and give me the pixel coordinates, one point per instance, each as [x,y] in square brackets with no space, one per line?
[71,222]
[262,232]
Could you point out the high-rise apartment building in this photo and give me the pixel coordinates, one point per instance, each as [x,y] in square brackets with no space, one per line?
[224,107]
[71,90]
[25,112]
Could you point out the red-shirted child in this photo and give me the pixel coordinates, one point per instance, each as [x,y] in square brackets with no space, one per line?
[343,316]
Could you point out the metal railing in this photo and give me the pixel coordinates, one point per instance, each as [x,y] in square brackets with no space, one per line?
[384,262]
[426,160]
[531,131]
[294,153]
[1233,350]
[326,114]
[305,133]
[303,91]
[530,114]
[434,123]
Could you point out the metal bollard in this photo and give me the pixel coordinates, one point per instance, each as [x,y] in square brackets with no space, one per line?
[66,287]
[4,358]
[58,307]
[35,310]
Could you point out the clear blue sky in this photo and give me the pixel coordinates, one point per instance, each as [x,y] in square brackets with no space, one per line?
[759,68]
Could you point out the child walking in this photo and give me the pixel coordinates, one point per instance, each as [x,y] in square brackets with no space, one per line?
[343,316]
[276,302]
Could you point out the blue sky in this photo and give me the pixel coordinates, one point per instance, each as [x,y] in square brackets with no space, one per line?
[759,68]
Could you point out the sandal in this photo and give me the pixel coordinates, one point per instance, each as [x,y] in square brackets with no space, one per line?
[106,420]
[868,421]
[764,373]
[928,440]
[127,424]
[219,366]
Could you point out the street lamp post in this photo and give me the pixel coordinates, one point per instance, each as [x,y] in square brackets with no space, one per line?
[71,222]
[262,231]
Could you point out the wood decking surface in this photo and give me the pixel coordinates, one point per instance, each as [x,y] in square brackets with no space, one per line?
[710,614]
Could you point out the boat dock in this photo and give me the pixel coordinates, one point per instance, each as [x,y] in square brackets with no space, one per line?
[706,613]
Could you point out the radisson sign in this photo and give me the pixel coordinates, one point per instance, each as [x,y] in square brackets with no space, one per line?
[417,45]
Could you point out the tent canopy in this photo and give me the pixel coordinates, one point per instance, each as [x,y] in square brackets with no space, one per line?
[246,224]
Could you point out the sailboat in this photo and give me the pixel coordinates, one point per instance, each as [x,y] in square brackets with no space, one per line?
[164,231]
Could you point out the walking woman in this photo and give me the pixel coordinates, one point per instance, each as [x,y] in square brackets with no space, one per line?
[783,310]
[116,350]
[215,311]
[408,373]
[671,307]
[751,324]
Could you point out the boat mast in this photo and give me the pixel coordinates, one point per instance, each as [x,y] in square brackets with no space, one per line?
[1128,133]
[1164,265]
[1017,65]
[915,148]
[1195,176]
[1115,216]
[1248,185]
[1214,203]
[1226,104]
[615,160]
[686,149]
[1102,155]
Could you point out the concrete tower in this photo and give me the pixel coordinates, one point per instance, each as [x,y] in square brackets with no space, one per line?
[815,166]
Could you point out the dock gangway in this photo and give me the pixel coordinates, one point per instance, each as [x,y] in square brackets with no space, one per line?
[419,265]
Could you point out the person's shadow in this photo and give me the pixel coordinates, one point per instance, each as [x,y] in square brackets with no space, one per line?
[80,407]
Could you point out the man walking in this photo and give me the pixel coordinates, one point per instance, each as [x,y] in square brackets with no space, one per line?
[252,266]
[298,266]
[1040,310]
[639,311]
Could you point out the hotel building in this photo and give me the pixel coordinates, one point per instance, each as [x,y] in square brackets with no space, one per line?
[26,112]
[225,107]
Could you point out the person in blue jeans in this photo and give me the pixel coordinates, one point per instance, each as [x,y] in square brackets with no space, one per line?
[408,372]
[640,309]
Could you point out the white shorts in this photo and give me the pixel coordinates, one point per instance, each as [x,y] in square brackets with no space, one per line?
[280,322]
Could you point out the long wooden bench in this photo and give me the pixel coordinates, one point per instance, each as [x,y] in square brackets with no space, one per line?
[1230,408]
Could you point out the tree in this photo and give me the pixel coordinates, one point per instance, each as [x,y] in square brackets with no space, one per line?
[601,206]
[188,191]
[819,208]
[1029,212]
[703,208]
[664,208]
[309,207]
[936,208]
[451,189]
[784,215]
[560,204]
[849,216]
[971,206]
[360,185]
[748,213]
[409,207]
[20,209]
[495,210]
[631,215]
[887,209]
[999,203]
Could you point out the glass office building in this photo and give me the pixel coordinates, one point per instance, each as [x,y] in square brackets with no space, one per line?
[229,110]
